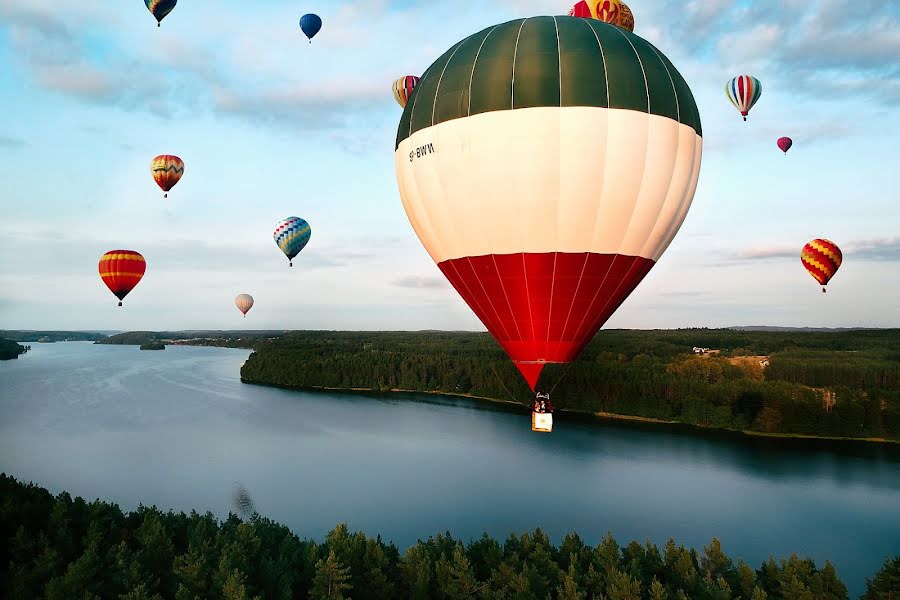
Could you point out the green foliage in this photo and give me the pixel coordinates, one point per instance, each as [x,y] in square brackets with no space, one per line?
[886,583]
[841,384]
[10,349]
[57,547]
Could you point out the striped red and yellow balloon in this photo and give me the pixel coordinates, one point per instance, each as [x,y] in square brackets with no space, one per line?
[822,258]
[121,271]
[607,11]
[167,170]
[403,88]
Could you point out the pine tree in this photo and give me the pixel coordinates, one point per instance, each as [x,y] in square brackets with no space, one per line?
[331,580]
[568,590]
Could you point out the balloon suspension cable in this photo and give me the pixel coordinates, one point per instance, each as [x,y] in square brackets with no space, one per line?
[558,381]
[497,375]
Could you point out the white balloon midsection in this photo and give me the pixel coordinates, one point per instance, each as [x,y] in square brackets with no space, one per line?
[549,179]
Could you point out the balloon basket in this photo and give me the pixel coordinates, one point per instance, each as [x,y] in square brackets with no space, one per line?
[542,422]
[120,303]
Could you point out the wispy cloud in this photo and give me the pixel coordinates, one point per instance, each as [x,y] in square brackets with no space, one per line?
[420,282]
[878,249]
[11,142]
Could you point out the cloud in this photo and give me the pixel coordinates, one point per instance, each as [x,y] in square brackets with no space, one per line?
[11,143]
[420,282]
[877,249]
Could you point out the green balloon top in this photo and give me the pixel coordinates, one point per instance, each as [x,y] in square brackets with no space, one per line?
[548,61]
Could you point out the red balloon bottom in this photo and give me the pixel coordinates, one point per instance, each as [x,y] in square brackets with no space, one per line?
[544,308]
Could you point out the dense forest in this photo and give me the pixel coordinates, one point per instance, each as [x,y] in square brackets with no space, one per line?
[64,548]
[10,349]
[835,384]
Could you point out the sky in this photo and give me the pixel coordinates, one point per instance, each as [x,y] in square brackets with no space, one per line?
[270,126]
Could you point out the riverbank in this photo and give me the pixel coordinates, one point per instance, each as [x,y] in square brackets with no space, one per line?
[584,414]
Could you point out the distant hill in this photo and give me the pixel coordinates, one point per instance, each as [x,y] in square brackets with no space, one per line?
[24,335]
[227,339]
[803,329]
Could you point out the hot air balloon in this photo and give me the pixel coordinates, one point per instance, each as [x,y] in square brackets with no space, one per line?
[403,87]
[244,302]
[785,144]
[626,17]
[160,8]
[310,25]
[292,235]
[167,170]
[822,258]
[121,270]
[607,11]
[544,220]
[743,91]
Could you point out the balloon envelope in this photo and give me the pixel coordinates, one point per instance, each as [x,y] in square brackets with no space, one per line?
[121,271]
[292,234]
[544,220]
[310,24]
[821,258]
[743,91]
[167,170]
[608,11]
[403,88]
[160,8]
[244,302]
[626,17]
[785,144]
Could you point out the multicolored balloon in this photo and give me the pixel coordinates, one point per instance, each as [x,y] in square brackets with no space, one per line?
[292,235]
[607,11]
[822,258]
[310,25]
[167,170]
[626,17]
[785,143]
[244,302]
[160,8]
[403,87]
[121,271]
[743,91]
[545,244]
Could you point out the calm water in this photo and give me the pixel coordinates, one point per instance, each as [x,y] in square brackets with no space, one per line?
[177,429]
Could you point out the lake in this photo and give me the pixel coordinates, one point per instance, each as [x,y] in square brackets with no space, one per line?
[177,428]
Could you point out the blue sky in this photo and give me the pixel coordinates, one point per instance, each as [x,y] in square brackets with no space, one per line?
[270,126]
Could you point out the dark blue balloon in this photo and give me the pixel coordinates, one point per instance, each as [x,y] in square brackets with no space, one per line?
[310,25]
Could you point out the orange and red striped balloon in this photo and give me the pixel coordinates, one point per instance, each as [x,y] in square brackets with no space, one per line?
[121,270]
[167,170]
[822,258]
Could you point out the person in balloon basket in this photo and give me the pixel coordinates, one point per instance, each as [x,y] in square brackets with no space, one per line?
[542,403]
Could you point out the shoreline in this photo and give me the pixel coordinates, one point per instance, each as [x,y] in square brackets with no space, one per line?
[601,415]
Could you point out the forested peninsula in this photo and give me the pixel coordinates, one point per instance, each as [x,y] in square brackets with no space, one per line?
[841,384]
[10,350]
[59,548]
